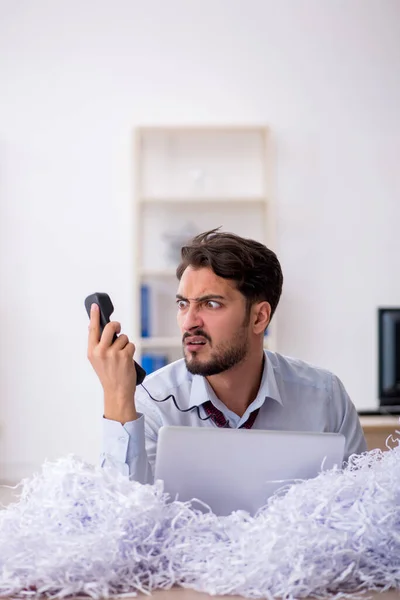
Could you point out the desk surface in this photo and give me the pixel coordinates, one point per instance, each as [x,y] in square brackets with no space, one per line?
[380,422]
[185,594]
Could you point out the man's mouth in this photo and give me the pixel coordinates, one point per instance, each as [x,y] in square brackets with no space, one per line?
[195,342]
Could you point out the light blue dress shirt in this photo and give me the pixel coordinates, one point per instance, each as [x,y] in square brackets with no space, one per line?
[293,396]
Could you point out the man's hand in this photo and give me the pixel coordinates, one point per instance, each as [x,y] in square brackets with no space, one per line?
[114,365]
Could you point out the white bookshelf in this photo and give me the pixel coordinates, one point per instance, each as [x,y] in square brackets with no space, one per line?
[189,180]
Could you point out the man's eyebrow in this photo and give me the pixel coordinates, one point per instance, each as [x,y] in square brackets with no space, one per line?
[202,298]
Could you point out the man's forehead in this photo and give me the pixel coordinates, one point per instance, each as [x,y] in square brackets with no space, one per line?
[196,283]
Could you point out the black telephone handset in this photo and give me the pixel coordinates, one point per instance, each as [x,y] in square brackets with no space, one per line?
[106,309]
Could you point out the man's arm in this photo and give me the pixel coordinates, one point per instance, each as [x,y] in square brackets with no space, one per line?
[131,448]
[345,420]
[123,427]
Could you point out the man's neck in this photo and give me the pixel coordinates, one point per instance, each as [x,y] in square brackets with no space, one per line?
[238,387]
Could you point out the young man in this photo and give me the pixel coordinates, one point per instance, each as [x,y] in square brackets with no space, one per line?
[229,288]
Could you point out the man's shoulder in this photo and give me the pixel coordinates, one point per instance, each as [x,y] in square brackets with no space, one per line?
[295,370]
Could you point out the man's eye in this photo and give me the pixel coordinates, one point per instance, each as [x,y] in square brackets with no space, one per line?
[213,304]
[181,304]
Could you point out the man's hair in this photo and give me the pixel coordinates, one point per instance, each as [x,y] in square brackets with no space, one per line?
[254,267]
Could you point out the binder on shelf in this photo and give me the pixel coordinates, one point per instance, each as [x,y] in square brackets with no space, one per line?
[145,311]
[152,362]
[159,361]
[147,363]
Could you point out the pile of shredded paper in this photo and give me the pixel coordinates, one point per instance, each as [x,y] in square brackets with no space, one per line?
[82,530]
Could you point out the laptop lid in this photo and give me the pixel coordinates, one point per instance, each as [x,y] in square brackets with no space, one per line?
[239,469]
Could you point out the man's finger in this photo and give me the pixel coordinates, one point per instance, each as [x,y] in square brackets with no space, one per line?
[109,331]
[94,327]
[121,342]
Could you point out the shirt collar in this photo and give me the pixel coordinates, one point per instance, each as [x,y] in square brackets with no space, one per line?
[200,389]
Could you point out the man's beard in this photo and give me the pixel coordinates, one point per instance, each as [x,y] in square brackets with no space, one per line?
[224,357]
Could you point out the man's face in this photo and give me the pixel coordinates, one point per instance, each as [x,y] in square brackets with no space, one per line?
[213,322]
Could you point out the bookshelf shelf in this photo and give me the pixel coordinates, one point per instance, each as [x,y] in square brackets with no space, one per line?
[175,342]
[150,273]
[202,200]
[160,342]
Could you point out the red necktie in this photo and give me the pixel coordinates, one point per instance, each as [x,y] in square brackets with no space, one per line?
[219,419]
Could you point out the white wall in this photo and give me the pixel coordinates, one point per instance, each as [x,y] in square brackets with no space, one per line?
[77,77]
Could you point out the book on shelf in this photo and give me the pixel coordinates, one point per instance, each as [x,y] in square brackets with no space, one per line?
[145,311]
[152,362]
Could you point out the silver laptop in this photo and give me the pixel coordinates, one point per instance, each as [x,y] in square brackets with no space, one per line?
[233,469]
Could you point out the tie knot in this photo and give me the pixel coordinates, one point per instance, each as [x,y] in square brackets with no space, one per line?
[221,421]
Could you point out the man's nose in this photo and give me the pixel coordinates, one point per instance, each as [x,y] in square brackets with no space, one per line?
[192,319]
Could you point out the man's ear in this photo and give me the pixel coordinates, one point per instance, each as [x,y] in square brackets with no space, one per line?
[261,316]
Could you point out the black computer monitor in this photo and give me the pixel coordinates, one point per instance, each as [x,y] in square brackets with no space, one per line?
[389,359]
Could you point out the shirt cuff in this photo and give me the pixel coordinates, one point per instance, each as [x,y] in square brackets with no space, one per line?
[123,443]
